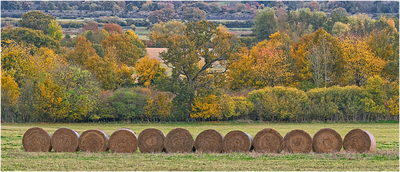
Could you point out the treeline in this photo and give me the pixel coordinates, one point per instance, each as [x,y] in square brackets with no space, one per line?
[106,75]
[351,6]
[350,103]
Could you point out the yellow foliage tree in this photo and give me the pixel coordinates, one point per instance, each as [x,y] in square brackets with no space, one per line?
[49,101]
[147,69]
[159,106]
[240,74]
[9,89]
[265,66]
[393,103]
[243,107]
[360,62]
[43,61]
[205,107]
[14,59]
[271,67]
[127,52]
[227,105]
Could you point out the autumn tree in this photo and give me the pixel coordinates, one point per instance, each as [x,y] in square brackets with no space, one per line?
[137,42]
[193,14]
[163,15]
[112,28]
[9,96]
[84,54]
[272,67]
[127,52]
[313,6]
[317,58]
[54,30]
[49,102]
[322,57]
[147,70]
[240,73]
[43,63]
[168,28]
[36,20]
[205,107]
[360,62]
[90,25]
[266,65]
[159,106]
[13,59]
[201,40]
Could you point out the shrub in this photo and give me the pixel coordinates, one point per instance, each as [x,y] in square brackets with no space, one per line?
[279,103]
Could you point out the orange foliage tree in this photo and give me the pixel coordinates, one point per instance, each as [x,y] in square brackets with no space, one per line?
[113,28]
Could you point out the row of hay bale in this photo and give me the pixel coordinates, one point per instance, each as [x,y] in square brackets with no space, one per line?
[153,140]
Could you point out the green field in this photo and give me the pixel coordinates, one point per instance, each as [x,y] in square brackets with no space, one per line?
[14,158]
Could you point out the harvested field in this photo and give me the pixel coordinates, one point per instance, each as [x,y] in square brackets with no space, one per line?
[14,158]
[154,53]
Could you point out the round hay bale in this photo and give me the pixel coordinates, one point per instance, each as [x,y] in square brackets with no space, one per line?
[36,140]
[237,141]
[93,141]
[268,140]
[179,140]
[298,141]
[65,140]
[358,140]
[209,141]
[151,140]
[327,140]
[123,140]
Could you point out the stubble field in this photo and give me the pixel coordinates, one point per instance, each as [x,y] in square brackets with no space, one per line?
[14,158]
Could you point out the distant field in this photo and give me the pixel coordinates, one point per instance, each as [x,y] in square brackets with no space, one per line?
[13,158]
[240,29]
[142,32]
[154,54]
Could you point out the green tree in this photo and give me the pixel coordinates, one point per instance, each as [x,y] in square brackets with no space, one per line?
[36,20]
[54,30]
[30,37]
[97,36]
[318,20]
[201,41]
[126,105]
[81,91]
[265,24]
